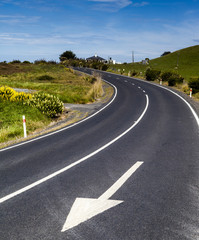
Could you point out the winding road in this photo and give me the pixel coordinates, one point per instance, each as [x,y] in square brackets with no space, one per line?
[128,172]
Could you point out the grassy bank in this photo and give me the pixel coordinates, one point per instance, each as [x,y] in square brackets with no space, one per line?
[54,79]
[11,126]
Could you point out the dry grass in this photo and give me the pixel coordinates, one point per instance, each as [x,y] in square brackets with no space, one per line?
[97,89]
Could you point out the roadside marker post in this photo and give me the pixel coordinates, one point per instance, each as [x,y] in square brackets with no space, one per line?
[190,92]
[160,81]
[24,127]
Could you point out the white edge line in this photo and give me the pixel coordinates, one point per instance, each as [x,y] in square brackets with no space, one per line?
[188,104]
[14,194]
[65,128]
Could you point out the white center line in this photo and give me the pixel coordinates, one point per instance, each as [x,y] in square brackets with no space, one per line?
[22,190]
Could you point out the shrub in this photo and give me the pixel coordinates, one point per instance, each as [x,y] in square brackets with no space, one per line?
[26,62]
[45,77]
[20,97]
[134,73]
[41,61]
[171,82]
[16,61]
[47,104]
[52,62]
[104,67]
[165,76]
[194,84]
[174,79]
[152,74]
[6,93]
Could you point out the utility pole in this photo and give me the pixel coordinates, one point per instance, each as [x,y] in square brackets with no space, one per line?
[132,56]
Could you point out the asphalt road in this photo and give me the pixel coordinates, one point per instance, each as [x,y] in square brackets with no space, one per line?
[146,124]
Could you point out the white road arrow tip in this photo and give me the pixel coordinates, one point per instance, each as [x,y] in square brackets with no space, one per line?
[86,208]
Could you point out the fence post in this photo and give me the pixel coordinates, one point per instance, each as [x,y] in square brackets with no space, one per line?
[190,92]
[24,127]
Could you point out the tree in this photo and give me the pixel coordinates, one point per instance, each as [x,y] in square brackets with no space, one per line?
[67,55]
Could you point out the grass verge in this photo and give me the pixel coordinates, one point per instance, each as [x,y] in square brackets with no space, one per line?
[11,124]
[55,79]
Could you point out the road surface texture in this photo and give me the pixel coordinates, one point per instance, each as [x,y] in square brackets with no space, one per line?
[130,172]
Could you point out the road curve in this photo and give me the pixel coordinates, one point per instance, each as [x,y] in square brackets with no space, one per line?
[159,201]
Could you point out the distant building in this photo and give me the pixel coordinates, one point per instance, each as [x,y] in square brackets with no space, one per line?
[145,62]
[96,58]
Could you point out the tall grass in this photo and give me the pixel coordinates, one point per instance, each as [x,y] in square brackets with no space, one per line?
[97,90]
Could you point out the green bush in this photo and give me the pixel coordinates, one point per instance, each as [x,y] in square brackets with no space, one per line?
[104,67]
[41,61]
[194,84]
[16,61]
[165,76]
[45,77]
[171,81]
[26,62]
[174,79]
[47,104]
[152,74]
[134,73]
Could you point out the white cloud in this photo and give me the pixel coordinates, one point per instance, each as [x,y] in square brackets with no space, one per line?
[110,5]
[18,19]
[140,4]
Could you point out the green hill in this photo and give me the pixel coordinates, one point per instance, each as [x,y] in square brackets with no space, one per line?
[184,61]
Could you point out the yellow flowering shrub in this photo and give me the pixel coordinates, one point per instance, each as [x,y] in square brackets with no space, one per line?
[7,93]
[47,104]
[20,97]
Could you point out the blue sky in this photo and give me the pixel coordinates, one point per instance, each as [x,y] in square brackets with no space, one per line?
[35,29]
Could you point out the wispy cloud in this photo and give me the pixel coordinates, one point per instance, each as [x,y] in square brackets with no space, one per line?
[18,19]
[34,39]
[140,4]
[110,5]
[2,2]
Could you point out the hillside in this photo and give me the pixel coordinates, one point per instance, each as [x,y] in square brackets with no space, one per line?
[184,61]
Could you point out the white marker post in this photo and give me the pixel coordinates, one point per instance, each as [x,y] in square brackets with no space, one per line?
[190,92]
[24,126]
[160,81]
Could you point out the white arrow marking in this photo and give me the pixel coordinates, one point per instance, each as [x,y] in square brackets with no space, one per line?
[86,208]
